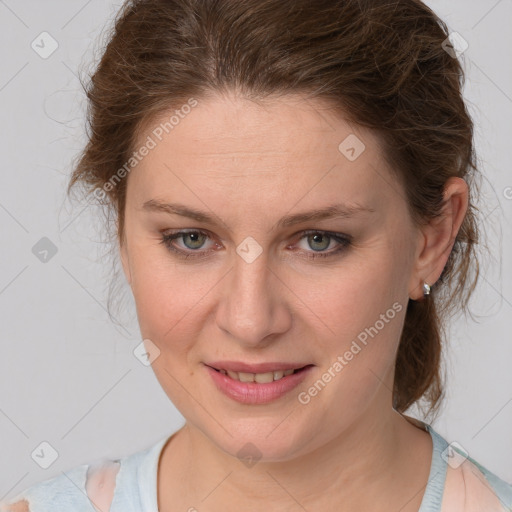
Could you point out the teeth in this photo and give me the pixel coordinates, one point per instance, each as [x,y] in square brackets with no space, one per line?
[278,374]
[260,378]
[245,377]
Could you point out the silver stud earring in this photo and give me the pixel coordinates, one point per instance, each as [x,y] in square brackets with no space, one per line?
[426,289]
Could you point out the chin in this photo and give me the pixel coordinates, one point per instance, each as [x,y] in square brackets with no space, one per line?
[266,440]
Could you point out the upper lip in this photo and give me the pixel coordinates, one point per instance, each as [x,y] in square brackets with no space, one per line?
[238,366]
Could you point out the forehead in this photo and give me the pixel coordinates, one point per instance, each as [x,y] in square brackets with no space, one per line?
[279,147]
[273,125]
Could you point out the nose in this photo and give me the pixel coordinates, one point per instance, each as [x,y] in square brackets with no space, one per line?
[252,307]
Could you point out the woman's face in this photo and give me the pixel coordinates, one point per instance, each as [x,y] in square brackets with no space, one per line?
[245,285]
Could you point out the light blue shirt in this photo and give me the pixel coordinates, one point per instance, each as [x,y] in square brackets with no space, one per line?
[136,484]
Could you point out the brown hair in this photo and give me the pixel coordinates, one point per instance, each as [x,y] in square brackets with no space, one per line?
[382,63]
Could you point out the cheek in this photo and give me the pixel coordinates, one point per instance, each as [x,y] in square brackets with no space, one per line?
[353,296]
[167,299]
[358,316]
[358,348]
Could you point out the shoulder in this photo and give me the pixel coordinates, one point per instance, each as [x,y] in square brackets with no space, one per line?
[66,489]
[93,486]
[71,490]
[458,483]
[471,484]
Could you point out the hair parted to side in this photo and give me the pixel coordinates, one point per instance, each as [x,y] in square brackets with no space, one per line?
[381,63]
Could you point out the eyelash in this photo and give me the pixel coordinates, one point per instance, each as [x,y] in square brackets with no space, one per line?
[343,240]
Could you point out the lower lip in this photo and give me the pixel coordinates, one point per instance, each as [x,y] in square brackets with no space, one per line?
[253,393]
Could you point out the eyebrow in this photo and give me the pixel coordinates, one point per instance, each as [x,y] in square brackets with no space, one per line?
[335,211]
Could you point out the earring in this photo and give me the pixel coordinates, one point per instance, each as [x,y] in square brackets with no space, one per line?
[426,289]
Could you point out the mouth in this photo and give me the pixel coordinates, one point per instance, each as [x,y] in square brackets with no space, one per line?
[260,378]
[271,381]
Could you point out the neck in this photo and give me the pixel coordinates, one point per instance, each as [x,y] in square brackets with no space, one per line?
[375,457]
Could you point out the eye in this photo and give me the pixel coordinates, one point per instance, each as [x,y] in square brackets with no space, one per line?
[319,241]
[194,240]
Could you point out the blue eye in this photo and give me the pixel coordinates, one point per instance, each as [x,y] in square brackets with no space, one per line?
[322,241]
[195,239]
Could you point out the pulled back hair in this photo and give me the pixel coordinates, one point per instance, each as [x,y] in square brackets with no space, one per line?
[382,63]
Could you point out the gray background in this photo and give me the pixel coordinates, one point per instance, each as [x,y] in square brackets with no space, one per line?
[67,373]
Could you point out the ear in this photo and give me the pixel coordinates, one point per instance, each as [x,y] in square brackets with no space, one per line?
[437,237]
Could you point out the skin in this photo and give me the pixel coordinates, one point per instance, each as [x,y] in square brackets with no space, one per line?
[249,164]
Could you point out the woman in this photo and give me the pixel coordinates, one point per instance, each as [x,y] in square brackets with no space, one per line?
[293,189]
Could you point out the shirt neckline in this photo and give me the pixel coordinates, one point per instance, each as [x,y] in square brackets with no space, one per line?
[433,496]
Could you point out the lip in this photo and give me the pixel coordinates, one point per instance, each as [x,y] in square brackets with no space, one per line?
[253,393]
[238,366]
